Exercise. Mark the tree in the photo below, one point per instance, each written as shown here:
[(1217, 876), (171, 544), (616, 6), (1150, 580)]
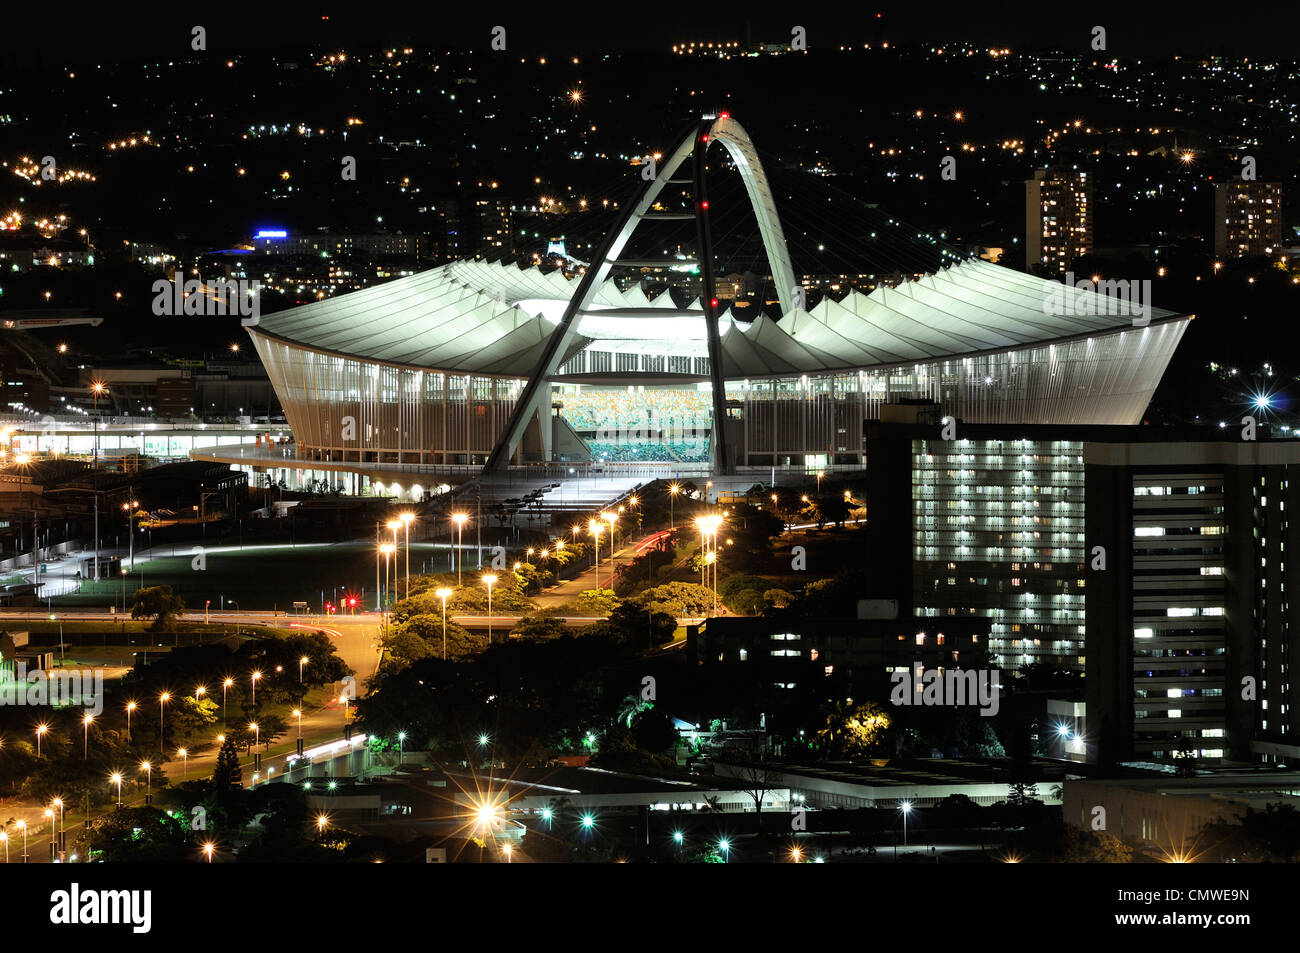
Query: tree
[(1020, 794), (833, 508), (159, 603), (594, 602), (540, 627), (1095, 847), (641, 625), (854, 730), (402, 647), (227, 774), (194, 713), (757, 779), (136, 834), (778, 598), (653, 730), (678, 599)]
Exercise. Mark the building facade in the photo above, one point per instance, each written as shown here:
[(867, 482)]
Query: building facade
[(1058, 219), (1191, 619), (1247, 218)]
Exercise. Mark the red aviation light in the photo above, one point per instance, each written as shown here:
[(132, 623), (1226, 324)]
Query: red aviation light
[(704, 138), (715, 302), (704, 204)]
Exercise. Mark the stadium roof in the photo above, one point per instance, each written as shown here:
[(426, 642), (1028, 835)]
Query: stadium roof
[(490, 318)]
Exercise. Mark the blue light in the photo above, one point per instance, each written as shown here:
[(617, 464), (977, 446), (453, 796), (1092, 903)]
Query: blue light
[(272, 233)]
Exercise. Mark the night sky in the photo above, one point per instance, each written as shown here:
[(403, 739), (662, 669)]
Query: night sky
[(631, 27)]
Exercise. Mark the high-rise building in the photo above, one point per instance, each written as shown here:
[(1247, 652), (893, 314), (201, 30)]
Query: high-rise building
[(1190, 623), (493, 221), (334, 245), (996, 530), (1247, 218), (1153, 560), (1058, 219)]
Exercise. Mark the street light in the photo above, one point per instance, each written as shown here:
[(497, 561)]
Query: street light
[(185, 762), (459, 519), (401, 747), (611, 519), (595, 529), (406, 519), (130, 509), (116, 778), (225, 687), (394, 525), (208, 848), (40, 733), (297, 713), (301, 662), (257, 734), (489, 579), (443, 594), (96, 388), (906, 808), (147, 768), (708, 526), (386, 550), (85, 723), (253, 680), (163, 699)]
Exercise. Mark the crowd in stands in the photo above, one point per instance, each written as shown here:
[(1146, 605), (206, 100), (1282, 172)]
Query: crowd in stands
[(617, 409), (647, 451)]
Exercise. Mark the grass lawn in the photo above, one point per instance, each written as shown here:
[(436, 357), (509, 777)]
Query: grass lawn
[(267, 577)]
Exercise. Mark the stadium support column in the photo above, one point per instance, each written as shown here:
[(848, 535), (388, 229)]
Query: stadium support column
[(722, 462), (561, 339)]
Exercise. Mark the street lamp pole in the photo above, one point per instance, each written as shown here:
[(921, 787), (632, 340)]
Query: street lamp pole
[(490, 578), (406, 519), (443, 594), (459, 519), (162, 725)]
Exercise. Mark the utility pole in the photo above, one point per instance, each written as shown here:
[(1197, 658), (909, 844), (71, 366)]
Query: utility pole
[(96, 537)]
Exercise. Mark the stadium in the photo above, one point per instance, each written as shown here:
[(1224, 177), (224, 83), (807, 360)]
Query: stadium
[(479, 364)]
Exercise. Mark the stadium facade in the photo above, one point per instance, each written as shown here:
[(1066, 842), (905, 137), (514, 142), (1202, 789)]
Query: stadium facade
[(474, 363)]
